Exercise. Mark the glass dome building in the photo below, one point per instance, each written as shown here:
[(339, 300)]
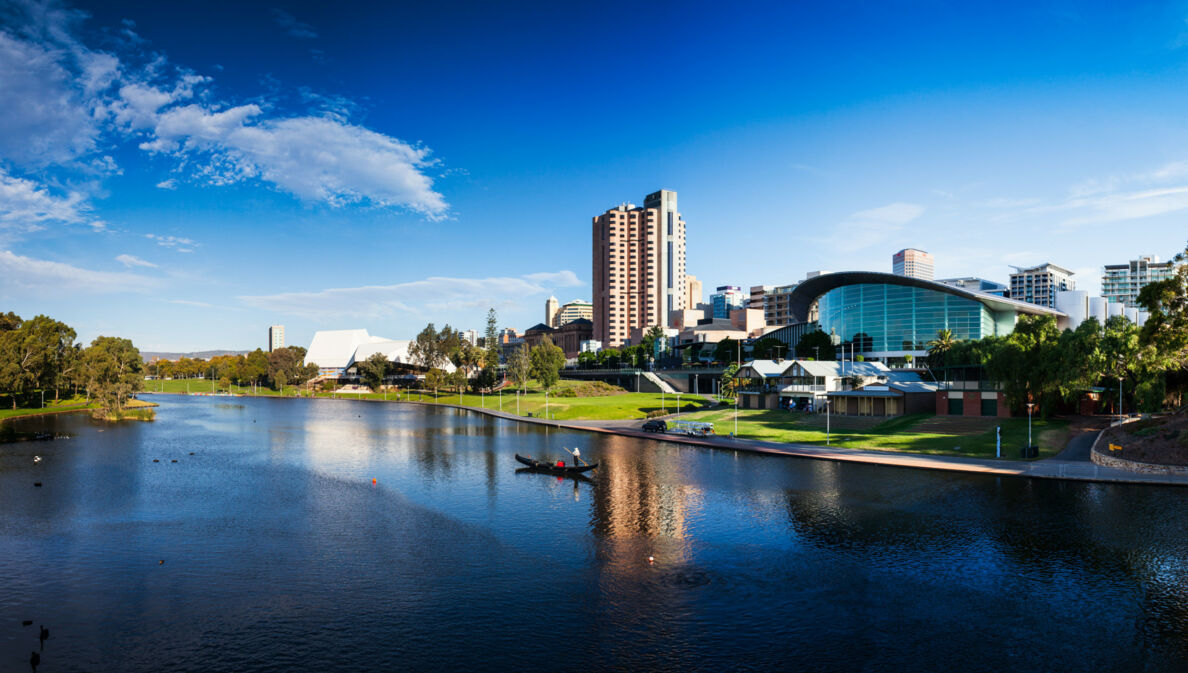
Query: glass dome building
[(884, 315)]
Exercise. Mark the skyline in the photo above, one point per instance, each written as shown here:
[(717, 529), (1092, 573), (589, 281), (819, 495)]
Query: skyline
[(194, 178)]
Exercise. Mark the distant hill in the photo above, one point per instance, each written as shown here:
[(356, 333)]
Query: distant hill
[(149, 356)]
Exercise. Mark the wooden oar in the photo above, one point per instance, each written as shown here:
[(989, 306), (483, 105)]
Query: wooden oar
[(575, 456)]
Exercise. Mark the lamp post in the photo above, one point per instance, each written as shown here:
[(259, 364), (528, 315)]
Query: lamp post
[(517, 403), (678, 406), (827, 420), (1030, 405)]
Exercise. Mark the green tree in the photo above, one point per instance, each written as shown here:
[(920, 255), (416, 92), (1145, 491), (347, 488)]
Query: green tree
[(373, 370), (33, 354), (487, 379), (255, 366), (816, 344), (768, 348), (726, 386), (938, 348), (436, 379), (423, 349), (491, 339), (655, 333), (546, 363), (1027, 363), (519, 367), (728, 350), (114, 372)]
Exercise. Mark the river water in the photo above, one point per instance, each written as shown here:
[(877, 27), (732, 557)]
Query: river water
[(280, 554)]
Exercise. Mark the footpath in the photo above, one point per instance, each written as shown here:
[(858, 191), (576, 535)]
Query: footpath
[(1071, 464)]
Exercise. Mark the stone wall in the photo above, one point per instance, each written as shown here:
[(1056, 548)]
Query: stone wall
[(1104, 459)]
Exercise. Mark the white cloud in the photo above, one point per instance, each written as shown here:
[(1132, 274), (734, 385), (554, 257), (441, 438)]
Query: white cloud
[(28, 206), (318, 159), (564, 278), (175, 242), (186, 302), (893, 214), (292, 26), (169, 184), (65, 105), (1122, 206), (46, 118), (132, 260), (44, 276), (876, 226), (435, 293)]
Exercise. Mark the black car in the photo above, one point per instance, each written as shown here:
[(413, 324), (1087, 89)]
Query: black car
[(655, 426)]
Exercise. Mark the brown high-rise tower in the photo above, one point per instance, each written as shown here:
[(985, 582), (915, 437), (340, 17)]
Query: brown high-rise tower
[(639, 267)]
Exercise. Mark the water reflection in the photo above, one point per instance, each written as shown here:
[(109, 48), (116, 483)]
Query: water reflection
[(275, 522)]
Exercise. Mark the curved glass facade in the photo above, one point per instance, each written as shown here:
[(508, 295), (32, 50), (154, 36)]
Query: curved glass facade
[(897, 318)]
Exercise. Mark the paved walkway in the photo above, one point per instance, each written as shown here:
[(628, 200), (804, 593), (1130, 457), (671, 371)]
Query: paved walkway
[(1071, 464)]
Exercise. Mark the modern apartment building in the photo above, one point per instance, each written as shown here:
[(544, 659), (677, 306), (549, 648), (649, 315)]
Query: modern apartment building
[(727, 298), (276, 337), (575, 310), (1039, 284), (1121, 283), (912, 263), (639, 266)]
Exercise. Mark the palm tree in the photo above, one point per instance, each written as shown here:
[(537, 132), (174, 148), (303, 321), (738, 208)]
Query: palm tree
[(941, 345)]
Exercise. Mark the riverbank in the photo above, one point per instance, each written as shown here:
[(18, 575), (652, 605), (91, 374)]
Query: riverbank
[(1051, 468), (65, 407), (1058, 467)]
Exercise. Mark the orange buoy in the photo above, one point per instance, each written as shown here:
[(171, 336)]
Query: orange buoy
[(373, 481)]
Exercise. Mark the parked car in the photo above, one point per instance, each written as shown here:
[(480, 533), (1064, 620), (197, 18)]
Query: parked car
[(655, 425)]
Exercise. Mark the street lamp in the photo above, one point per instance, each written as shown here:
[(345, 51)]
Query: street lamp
[(678, 406), (1030, 405)]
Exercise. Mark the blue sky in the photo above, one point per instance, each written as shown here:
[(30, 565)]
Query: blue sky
[(186, 174)]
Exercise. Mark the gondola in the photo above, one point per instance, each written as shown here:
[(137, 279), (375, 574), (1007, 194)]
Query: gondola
[(552, 468)]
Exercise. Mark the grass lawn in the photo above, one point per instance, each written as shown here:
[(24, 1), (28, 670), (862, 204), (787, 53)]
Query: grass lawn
[(204, 386), (606, 407), (71, 404), (921, 433)]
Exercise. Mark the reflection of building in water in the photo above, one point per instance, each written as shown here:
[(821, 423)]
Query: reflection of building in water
[(642, 497)]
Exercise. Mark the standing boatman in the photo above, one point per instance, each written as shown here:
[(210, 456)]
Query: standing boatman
[(577, 455)]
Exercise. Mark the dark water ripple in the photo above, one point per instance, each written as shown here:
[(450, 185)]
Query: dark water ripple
[(281, 555)]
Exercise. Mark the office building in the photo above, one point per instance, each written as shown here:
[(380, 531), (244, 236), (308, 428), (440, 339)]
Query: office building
[(1121, 283), (276, 337), (469, 336), (912, 263), (773, 301), (639, 266), (575, 310), (551, 308), (1039, 284), (727, 298), (694, 296)]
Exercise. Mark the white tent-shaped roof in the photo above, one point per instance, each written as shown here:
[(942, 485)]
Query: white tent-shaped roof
[(339, 349)]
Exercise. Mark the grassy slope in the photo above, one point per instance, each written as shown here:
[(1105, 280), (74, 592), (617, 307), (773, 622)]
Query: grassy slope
[(896, 434), (608, 407)]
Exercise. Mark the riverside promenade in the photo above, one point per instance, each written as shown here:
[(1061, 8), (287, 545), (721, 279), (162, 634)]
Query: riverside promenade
[(1071, 464)]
